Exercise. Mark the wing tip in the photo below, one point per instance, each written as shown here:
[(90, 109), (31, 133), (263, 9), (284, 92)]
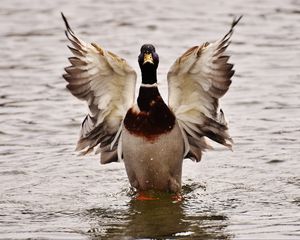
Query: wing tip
[(69, 29), (236, 21)]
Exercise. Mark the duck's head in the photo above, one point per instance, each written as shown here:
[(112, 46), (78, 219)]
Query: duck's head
[(148, 58), (148, 61)]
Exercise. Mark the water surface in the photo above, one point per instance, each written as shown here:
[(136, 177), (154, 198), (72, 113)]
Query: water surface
[(47, 192)]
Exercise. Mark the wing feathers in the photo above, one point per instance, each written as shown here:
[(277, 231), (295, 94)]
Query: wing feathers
[(196, 81), (77, 62), (107, 83), (76, 52)]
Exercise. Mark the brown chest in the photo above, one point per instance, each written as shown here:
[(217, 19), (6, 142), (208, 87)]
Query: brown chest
[(150, 124)]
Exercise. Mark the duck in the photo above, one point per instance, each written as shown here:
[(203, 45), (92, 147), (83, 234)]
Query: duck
[(150, 136)]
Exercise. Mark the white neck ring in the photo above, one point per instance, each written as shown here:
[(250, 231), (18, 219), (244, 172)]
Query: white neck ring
[(149, 85)]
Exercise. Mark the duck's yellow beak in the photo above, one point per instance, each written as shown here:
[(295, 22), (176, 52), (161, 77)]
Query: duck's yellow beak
[(148, 58)]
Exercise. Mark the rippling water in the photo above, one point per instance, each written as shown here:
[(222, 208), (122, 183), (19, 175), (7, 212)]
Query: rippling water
[(47, 192)]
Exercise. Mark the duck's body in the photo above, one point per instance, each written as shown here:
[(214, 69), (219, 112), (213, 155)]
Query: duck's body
[(151, 137), (152, 144)]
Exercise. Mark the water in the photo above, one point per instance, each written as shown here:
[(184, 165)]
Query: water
[(47, 192)]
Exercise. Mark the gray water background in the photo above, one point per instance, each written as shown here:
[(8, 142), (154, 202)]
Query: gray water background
[(47, 192)]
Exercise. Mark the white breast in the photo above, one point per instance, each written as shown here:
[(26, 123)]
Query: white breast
[(154, 164)]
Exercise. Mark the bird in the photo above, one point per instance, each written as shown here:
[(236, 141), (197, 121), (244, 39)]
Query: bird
[(150, 136)]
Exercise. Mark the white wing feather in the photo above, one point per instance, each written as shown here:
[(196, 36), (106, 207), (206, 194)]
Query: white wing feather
[(196, 81), (107, 83)]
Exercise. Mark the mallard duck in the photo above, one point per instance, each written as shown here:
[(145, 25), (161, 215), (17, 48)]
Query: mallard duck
[(150, 136)]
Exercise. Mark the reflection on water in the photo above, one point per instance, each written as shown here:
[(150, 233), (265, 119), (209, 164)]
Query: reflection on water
[(155, 219)]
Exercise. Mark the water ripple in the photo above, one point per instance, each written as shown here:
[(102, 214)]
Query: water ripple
[(48, 192)]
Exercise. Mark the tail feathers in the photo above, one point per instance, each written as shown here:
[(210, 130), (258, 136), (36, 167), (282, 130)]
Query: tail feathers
[(196, 148), (108, 155)]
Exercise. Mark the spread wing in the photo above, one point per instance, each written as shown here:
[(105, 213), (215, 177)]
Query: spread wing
[(196, 81), (107, 83)]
